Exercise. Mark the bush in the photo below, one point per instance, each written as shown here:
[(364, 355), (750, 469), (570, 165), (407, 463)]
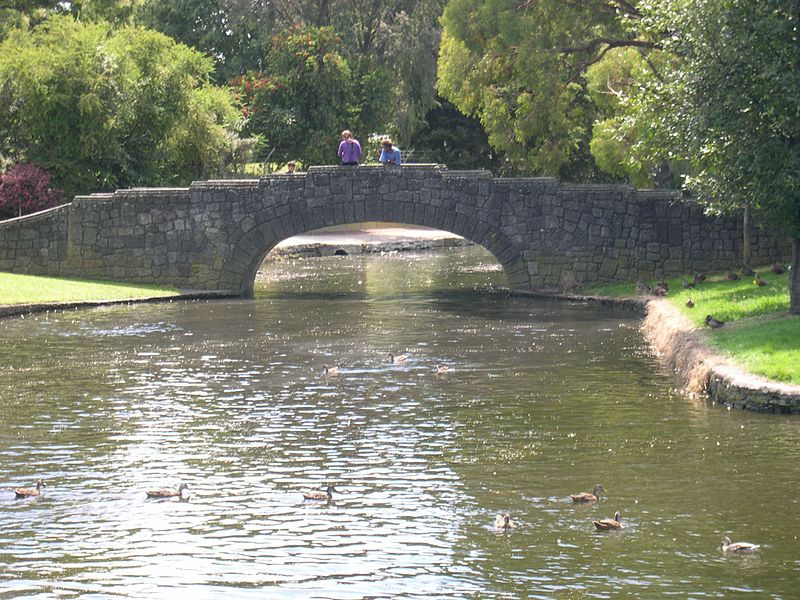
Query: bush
[(26, 189)]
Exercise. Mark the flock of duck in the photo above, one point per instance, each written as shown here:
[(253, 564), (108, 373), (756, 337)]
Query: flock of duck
[(504, 523), (662, 288), (163, 493)]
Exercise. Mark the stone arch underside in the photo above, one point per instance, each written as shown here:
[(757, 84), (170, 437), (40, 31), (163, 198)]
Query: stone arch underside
[(256, 244)]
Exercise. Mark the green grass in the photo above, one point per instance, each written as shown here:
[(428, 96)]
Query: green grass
[(766, 346), (759, 334), (32, 289)]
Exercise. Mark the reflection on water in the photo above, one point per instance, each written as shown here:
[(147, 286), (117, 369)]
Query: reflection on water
[(541, 399)]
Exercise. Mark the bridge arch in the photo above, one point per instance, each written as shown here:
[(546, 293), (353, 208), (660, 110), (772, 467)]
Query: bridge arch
[(469, 227), (214, 234)]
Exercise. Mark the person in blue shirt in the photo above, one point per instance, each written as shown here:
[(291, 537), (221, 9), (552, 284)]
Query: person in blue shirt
[(390, 155)]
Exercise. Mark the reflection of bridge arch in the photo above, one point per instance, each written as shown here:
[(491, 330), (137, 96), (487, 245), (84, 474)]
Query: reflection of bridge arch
[(214, 234)]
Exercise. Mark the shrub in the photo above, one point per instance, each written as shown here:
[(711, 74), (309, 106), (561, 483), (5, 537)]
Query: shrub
[(26, 189)]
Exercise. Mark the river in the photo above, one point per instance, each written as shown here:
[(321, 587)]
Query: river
[(541, 399)]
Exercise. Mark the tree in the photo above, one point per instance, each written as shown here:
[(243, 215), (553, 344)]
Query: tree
[(306, 99), (236, 39), (730, 107), (455, 140), (102, 109), (26, 189), (520, 68)]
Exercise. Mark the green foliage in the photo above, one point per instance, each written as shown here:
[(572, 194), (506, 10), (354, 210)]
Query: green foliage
[(102, 109), (300, 109), (730, 106), (236, 39), (455, 140), (520, 68), (616, 133)]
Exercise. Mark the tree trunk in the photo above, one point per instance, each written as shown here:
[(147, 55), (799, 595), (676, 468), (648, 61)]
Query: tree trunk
[(794, 279), (747, 244)]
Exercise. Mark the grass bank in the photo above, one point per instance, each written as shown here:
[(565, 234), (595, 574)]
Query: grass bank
[(32, 289), (759, 335)]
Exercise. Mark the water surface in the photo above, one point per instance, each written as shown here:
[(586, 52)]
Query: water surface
[(541, 399)]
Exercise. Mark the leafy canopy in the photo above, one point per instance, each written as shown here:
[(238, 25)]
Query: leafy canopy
[(103, 108), (731, 104), (300, 107), (520, 67)]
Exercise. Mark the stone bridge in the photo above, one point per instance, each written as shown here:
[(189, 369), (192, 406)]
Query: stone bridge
[(214, 234)]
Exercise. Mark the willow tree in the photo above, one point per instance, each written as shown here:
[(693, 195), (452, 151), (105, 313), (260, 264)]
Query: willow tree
[(103, 108)]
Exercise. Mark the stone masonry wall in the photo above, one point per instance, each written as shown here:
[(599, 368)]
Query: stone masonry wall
[(213, 235)]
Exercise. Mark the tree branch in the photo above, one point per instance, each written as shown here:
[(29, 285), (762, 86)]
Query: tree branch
[(610, 44)]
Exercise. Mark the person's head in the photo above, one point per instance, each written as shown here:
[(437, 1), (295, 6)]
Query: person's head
[(290, 166), (387, 144), (346, 135)]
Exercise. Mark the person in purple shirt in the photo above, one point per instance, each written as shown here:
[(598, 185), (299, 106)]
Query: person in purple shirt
[(390, 155), (349, 149)]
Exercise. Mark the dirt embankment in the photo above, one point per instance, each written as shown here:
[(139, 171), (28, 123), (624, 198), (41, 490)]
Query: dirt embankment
[(702, 371)]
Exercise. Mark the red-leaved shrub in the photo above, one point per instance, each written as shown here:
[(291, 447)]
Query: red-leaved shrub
[(25, 189)]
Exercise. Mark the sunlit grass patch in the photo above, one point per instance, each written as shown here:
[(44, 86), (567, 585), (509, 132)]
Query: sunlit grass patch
[(726, 300), (732, 300), (759, 334), (31, 289), (764, 346)]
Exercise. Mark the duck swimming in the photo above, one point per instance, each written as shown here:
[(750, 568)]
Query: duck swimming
[(327, 495), (30, 492), (608, 524), (592, 496), (442, 369), (167, 492), (738, 547), (330, 370), (503, 521), (398, 359)]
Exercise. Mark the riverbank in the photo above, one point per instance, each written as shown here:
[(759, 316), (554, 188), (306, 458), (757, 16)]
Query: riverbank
[(702, 370)]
